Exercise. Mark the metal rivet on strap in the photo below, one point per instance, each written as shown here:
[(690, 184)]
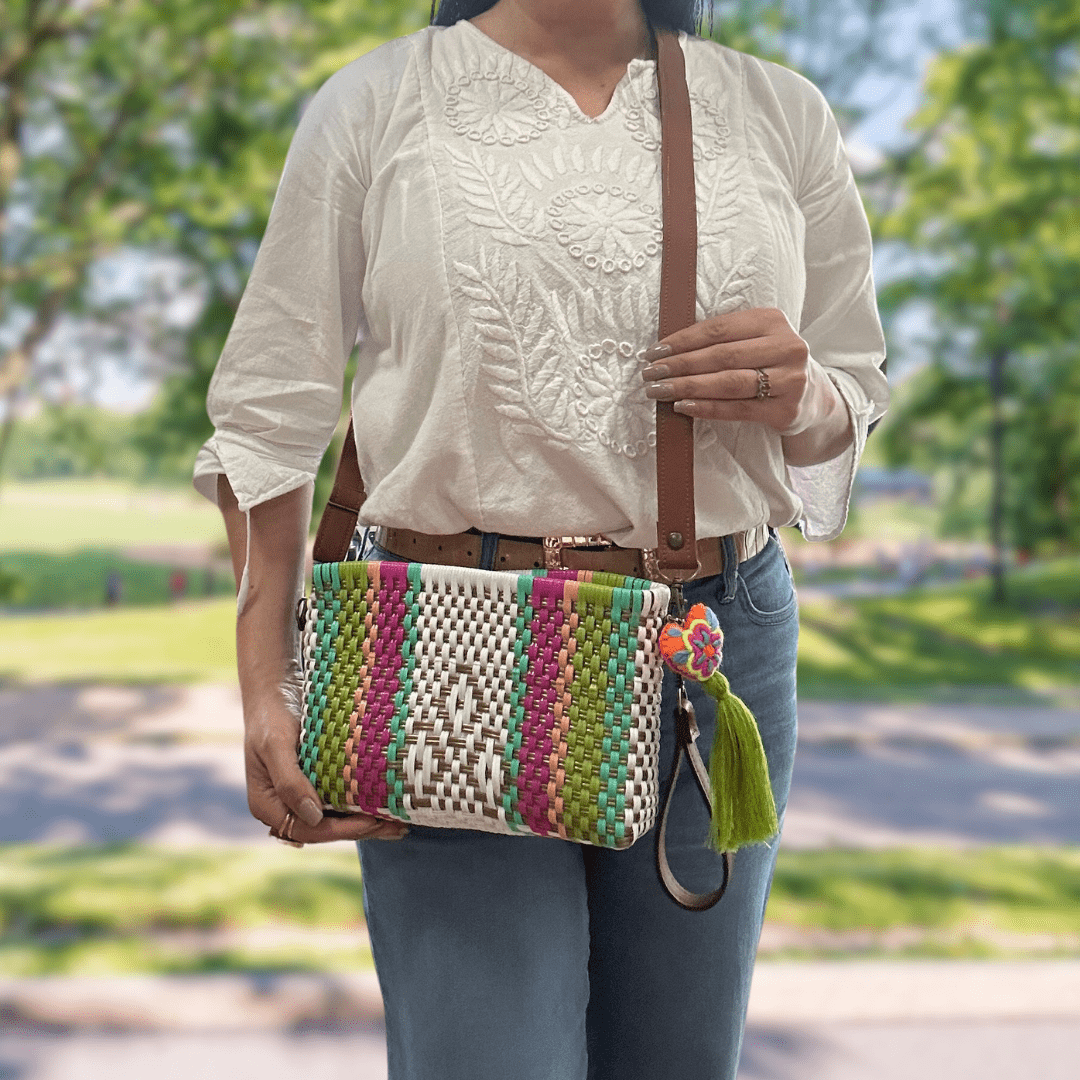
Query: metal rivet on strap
[(675, 540)]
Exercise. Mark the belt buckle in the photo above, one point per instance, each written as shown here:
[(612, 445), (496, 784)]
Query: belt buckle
[(553, 548)]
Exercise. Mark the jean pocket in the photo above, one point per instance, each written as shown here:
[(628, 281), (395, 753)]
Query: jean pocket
[(764, 587)]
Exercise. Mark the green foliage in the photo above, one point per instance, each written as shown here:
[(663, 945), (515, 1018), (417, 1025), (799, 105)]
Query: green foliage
[(156, 126), (989, 200), (74, 440)]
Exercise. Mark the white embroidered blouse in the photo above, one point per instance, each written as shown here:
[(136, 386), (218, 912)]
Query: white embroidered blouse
[(497, 252)]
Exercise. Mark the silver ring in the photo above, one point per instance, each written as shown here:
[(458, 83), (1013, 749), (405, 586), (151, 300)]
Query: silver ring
[(764, 387)]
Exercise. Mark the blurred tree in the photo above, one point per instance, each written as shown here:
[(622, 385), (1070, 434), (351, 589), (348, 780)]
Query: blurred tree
[(988, 202), (151, 126)]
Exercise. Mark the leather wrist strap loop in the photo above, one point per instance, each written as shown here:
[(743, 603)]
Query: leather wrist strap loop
[(686, 733)]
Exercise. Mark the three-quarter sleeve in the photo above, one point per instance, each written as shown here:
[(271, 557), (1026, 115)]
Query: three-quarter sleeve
[(275, 396), (839, 320)]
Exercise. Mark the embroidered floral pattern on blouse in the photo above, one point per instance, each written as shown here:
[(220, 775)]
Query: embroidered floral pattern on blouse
[(610, 400), (711, 129), (562, 361), (606, 226), (526, 337), (643, 122), (492, 107)]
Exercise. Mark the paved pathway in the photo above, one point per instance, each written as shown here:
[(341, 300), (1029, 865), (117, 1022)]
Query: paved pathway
[(808, 1021), (929, 1051), (94, 764)]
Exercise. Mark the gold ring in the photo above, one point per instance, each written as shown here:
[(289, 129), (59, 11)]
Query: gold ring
[(284, 831), (764, 388)]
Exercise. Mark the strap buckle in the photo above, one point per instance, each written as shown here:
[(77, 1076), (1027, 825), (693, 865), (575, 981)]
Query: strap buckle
[(669, 577), (553, 548)]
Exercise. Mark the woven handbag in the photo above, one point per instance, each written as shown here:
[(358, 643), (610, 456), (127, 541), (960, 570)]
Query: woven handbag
[(529, 702)]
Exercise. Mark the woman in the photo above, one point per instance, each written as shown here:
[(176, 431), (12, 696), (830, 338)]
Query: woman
[(480, 201)]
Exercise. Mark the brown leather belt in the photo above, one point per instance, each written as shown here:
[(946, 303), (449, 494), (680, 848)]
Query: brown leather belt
[(568, 552)]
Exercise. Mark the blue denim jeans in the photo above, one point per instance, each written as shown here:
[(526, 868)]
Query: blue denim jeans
[(538, 959)]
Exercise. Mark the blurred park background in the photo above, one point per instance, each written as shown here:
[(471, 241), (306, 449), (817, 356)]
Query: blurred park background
[(936, 811)]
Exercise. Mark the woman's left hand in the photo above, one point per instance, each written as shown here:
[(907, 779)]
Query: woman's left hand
[(745, 365)]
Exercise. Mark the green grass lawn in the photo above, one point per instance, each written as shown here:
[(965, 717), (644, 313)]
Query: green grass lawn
[(131, 908), (63, 515), (189, 641), (984, 902), (948, 642)]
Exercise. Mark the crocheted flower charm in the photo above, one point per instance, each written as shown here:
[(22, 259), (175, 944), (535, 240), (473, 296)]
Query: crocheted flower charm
[(695, 647)]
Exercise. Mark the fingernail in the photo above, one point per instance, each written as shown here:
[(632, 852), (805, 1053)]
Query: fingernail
[(656, 352), (398, 835), (309, 812), (656, 371), (687, 407), (660, 392)]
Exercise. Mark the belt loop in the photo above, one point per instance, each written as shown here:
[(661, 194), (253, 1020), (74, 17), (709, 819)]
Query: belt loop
[(489, 543), (731, 568)]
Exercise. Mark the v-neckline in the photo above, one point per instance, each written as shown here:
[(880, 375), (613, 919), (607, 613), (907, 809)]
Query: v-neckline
[(633, 68)]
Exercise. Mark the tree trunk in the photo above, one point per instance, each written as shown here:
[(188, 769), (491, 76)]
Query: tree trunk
[(998, 359), (7, 428)]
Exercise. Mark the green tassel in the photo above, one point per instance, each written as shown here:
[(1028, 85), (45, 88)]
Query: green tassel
[(744, 811)]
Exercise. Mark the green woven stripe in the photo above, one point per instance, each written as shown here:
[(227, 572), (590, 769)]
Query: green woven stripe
[(326, 629), (587, 714), (576, 821), (341, 693), (611, 803), (395, 750), (518, 688)]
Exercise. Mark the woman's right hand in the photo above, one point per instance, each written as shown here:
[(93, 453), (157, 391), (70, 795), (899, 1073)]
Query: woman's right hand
[(276, 784), (273, 549)]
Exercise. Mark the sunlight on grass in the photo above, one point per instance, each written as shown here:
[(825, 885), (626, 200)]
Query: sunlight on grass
[(124, 908), (185, 642), (946, 640), (989, 902), (133, 908), (61, 515)]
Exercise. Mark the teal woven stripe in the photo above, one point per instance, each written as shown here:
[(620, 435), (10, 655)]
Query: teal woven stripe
[(611, 798), (327, 628), (395, 749), (623, 690), (523, 625)]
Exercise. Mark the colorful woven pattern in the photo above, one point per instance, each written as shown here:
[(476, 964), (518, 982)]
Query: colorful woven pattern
[(516, 703)]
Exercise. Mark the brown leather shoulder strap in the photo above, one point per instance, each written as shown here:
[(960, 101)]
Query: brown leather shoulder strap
[(338, 521), (676, 536)]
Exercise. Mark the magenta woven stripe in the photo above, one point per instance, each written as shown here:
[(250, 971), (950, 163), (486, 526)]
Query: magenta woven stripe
[(373, 736), (541, 681)]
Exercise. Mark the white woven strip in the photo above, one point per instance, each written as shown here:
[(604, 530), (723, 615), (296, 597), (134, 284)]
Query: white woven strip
[(458, 724)]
